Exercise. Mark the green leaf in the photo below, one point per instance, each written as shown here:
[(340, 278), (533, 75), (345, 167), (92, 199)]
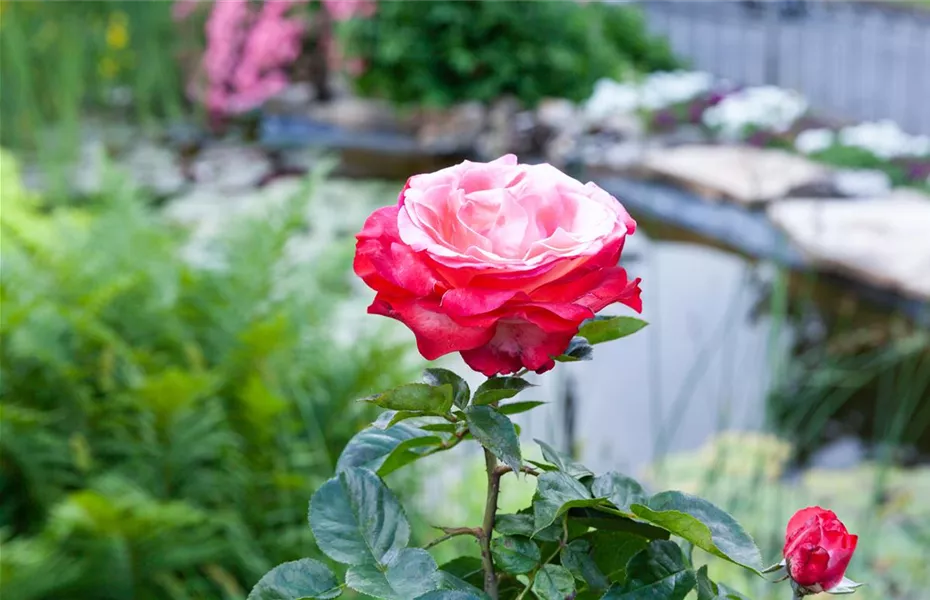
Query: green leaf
[(702, 524), (687, 548), (608, 519), (448, 581), (416, 396), (612, 550), (553, 582), (304, 578), (515, 553), (357, 520), (515, 408), (605, 329), (407, 452), (496, 389), (556, 493), (542, 466), (656, 573), (709, 590), (521, 524), (403, 415), (369, 580), (622, 491), (563, 462), (440, 427), (576, 557), (496, 433), (410, 574), (728, 593), (449, 595), (578, 349), (386, 450), (464, 567), (706, 589), (460, 391)]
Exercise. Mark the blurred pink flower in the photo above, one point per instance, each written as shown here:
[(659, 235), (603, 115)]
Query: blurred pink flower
[(246, 53), (250, 44), (273, 42)]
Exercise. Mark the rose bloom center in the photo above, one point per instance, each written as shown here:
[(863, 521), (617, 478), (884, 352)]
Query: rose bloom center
[(514, 223)]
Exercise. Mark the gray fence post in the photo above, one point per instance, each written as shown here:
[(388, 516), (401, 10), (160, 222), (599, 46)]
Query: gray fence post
[(772, 51)]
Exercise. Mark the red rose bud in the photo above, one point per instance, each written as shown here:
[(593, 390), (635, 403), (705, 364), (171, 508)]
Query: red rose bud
[(498, 261), (818, 549)]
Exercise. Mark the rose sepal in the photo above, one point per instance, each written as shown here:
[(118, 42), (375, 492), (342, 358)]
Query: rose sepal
[(779, 571), (845, 586)]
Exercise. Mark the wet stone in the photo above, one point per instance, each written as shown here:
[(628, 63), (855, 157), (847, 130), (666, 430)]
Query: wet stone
[(882, 241), (740, 174)]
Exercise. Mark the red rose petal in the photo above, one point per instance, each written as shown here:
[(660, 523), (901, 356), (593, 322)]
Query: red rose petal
[(467, 302), (804, 515), (436, 333), (808, 564), (839, 560), (517, 345)]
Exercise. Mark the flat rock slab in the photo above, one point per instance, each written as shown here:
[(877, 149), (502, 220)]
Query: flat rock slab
[(742, 174), (747, 231), (884, 241)]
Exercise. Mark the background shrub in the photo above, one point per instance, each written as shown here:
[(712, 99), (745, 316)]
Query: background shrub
[(440, 53)]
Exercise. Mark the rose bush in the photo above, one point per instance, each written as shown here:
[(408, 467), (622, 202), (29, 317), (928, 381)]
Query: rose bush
[(818, 549), (499, 261), (508, 264)]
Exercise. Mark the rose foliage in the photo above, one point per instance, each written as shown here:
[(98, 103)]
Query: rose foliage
[(507, 265)]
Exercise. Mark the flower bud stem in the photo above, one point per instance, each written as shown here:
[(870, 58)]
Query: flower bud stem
[(490, 512)]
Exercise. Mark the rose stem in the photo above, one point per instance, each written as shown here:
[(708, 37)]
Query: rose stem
[(490, 511)]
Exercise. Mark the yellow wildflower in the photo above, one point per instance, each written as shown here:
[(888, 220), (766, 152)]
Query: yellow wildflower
[(117, 34)]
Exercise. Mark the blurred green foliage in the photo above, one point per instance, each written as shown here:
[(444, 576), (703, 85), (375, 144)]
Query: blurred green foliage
[(440, 53), (163, 424), (872, 383), (59, 59)]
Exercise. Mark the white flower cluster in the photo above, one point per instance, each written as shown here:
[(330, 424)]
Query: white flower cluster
[(811, 141), (656, 91), (884, 139), (610, 98), (664, 89), (766, 107)]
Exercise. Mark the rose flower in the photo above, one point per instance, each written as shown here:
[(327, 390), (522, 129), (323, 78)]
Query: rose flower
[(499, 261), (818, 549)]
